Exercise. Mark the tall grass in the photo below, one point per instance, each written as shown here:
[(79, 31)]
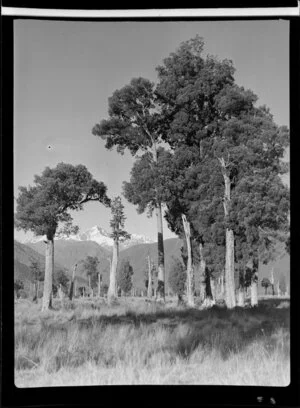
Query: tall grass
[(137, 343)]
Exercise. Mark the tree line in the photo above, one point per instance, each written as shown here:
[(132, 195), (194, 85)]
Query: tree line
[(207, 158)]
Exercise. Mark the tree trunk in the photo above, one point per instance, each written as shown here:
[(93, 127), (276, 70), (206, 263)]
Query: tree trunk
[(113, 272), (35, 296), (161, 255), (229, 258), (202, 270), (71, 293), (241, 297), (149, 291), (222, 285), (212, 288), (49, 268), (254, 284), (60, 294), (272, 281), (99, 284), (189, 272)]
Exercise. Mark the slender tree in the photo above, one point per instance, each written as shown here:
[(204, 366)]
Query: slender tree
[(71, 292), (46, 205), (135, 124), (118, 234), (265, 283)]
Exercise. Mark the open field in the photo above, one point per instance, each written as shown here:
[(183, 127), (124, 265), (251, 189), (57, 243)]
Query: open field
[(134, 342)]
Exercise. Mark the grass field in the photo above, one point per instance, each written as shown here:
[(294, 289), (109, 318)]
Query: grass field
[(134, 342)]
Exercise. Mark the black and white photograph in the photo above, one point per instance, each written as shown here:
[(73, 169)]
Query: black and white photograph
[(151, 203)]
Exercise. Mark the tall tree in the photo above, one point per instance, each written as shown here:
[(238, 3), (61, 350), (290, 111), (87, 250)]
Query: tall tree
[(45, 206), (135, 124), (118, 234)]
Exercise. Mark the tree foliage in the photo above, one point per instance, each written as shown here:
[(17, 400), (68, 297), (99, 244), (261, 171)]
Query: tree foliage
[(125, 276), (133, 122), (90, 265), (117, 222), (43, 207), (177, 277), (61, 278)]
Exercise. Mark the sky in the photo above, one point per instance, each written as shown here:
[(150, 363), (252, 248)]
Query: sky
[(65, 71)]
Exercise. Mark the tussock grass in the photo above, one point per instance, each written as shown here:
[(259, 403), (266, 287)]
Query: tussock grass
[(147, 343)]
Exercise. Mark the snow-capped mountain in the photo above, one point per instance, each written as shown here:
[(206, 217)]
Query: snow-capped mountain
[(99, 235)]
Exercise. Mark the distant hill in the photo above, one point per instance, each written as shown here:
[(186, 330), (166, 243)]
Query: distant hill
[(23, 256), (69, 252), (137, 256)]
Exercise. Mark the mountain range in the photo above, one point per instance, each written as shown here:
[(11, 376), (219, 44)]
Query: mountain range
[(98, 235), (69, 251)]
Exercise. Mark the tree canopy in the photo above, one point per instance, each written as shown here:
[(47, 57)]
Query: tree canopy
[(43, 207)]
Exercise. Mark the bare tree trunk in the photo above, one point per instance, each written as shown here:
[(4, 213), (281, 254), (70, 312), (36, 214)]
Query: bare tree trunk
[(49, 268), (149, 291), (212, 287), (71, 293), (99, 284), (241, 297), (189, 272), (35, 295), (254, 284), (222, 284), (202, 274), (229, 258), (113, 272), (278, 289), (161, 254), (272, 281)]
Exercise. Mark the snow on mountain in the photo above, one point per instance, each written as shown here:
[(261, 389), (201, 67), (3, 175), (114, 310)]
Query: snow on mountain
[(99, 235)]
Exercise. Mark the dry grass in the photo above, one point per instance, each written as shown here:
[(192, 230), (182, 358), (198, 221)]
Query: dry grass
[(138, 343)]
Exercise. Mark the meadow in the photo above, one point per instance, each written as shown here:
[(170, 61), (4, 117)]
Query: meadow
[(85, 342)]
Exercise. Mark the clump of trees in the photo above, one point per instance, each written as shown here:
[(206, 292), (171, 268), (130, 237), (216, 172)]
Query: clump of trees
[(125, 275), (217, 173), (90, 265)]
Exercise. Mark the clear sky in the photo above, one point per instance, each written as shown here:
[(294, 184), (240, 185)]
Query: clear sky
[(64, 72)]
